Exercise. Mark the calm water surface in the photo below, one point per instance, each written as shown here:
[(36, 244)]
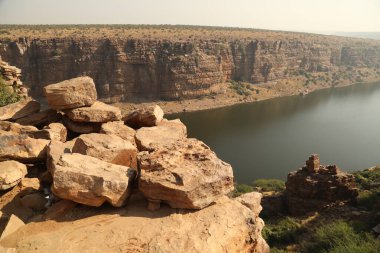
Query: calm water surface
[(268, 139)]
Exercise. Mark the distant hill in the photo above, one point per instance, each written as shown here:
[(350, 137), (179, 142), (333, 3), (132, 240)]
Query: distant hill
[(365, 35)]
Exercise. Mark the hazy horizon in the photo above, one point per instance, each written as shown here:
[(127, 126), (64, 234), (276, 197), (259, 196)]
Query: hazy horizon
[(288, 15)]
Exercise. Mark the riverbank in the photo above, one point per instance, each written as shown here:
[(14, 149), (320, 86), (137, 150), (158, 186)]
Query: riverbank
[(232, 93)]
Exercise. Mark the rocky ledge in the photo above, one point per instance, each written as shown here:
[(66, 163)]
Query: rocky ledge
[(106, 174)]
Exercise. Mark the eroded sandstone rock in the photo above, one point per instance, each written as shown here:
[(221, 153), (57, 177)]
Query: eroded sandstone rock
[(314, 187), (15, 128), (186, 174), (22, 148), (90, 181), (164, 134), (251, 200), (81, 127), (145, 117), (54, 151), (120, 129), (69, 94), (108, 148), (13, 225), (11, 173), (40, 119), (19, 109), (97, 112), (54, 131)]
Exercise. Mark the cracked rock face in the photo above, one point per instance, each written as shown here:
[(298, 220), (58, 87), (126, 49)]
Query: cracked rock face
[(186, 175), (90, 181)]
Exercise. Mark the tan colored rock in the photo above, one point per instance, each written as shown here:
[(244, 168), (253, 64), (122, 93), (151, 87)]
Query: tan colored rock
[(59, 209), (90, 181), (118, 128), (35, 201), (81, 127), (54, 151), (145, 117), (54, 131), (15, 128), (19, 109), (30, 183), (185, 175), (227, 226), (13, 225), (108, 148), (11, 173), (164, 134), (97, 112), (252, 200), (7, 250), (40, 119), (69, 94), (22, 148)]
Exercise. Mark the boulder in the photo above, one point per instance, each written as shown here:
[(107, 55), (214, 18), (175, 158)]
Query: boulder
[(97, 112), (54, 131), (144, 117), (314, 187), (35, 201), (251, 200), (40, 119), (11, 173), (118, 128), (15, 128), (226, 226), (186, 175), (90, 181), (54, 151), (81, 127), (13, 225), (108, 148), (22, 148), (19, 109), (69, 94), (164, 134)]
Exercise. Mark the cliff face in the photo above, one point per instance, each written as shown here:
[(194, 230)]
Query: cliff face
[(126, 69)]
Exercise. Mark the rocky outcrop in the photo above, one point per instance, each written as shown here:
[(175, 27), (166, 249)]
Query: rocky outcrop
[(133, 68), (144, 117), (314, 187), (164, 134), (108, 148), (73, 93), (11, 173), (186, 174), (19, 109), (103, 181)]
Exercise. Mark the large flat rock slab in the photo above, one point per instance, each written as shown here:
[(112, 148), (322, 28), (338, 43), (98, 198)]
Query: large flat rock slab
[(22, 148), (108, 148), (73, 93), (19, 109), (97, 112), (185, 175), (227, 226), (90, 181)]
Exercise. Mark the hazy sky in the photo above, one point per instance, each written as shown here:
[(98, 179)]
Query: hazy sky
[(298, 15)]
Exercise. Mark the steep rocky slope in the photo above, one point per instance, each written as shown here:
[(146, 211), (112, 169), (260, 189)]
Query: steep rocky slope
[(175, 62)]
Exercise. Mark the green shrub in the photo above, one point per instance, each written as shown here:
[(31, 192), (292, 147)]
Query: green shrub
[(241, 189), (269, 184), (340, 237), (368, 199), (282, 232), (7, 96), (368, 177)]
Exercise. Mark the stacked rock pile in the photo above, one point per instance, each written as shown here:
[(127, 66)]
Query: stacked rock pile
[(12, 78)]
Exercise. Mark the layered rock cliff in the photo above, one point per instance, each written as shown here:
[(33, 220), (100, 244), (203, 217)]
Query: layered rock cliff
[(129, 67)]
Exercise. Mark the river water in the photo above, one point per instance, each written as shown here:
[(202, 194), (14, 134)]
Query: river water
[(268, 139)]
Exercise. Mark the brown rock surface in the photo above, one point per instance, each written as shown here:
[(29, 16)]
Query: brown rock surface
[(73, 93), (19, 109), (40, 119), (164, 134), (144, 117), (90, 181), (54, 131), (186, 174), (22, 148), (227, 226), (54, 151), (15, 128), (108, 148), (11, 173), (120, 129), (314, 187), (35, 201), (81, 127), (251, 200), (13, 225), (97, 112)]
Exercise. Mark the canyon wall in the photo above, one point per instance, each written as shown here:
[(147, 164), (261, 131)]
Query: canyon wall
[(129, 69)]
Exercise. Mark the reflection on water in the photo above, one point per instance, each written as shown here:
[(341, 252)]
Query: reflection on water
[(268, 139)]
